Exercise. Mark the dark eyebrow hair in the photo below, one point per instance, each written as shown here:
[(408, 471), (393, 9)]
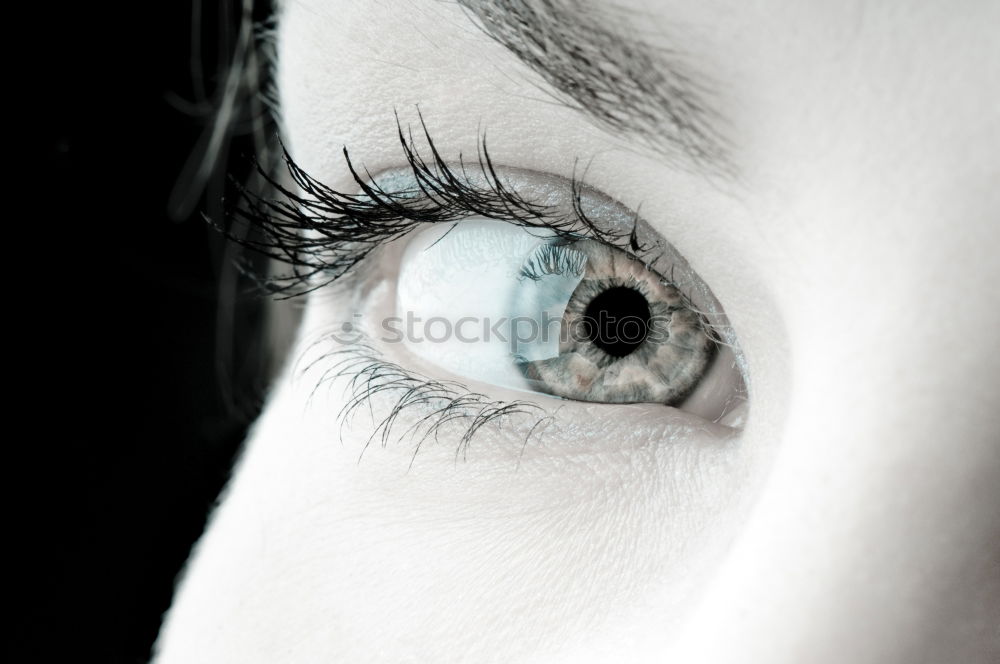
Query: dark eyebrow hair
[(597, 68)]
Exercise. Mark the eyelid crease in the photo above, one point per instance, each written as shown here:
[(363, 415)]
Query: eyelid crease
[(320, 234)]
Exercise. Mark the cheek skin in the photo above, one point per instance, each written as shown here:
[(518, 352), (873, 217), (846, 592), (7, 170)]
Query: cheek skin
[(343, 559), (877, 536)]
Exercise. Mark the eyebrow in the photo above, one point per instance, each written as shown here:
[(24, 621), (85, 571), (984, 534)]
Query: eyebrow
[(597, 68)]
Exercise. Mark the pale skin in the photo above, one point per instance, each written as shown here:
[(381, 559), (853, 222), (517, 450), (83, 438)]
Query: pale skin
[(855, 518)]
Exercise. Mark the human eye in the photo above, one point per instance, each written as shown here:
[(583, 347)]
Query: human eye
[(502, 293), (567, 315)]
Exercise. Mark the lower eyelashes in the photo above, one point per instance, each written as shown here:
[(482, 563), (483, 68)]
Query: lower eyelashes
[(406, 406), (406, 410), (369, 374)]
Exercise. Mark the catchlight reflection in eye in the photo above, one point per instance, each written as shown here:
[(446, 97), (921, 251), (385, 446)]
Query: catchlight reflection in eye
[(570, 317)]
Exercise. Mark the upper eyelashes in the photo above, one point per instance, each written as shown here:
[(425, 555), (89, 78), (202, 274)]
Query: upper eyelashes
[(321, 234), (551, 259)]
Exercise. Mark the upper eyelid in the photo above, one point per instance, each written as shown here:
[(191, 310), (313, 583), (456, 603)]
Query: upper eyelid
[(321, 234)]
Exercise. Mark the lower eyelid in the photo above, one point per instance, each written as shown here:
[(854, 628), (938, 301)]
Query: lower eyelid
[(364, 385)]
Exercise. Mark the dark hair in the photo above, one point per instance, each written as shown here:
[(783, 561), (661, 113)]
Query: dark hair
[(238, 147)]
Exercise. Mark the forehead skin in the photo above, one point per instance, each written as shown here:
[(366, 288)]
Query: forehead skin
[(854, 250)]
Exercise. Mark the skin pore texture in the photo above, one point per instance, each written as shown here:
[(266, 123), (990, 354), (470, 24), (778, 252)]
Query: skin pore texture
[(851, 240)]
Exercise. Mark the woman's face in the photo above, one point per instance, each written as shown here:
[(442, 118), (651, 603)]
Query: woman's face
[(828, 170)]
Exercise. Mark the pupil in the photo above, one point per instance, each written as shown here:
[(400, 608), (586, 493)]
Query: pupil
[(618, 320)]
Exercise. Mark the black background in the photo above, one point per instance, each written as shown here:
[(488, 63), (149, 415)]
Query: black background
[(130, 417)]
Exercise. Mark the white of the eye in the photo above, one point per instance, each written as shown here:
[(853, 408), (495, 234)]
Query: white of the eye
[(464, 306)]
